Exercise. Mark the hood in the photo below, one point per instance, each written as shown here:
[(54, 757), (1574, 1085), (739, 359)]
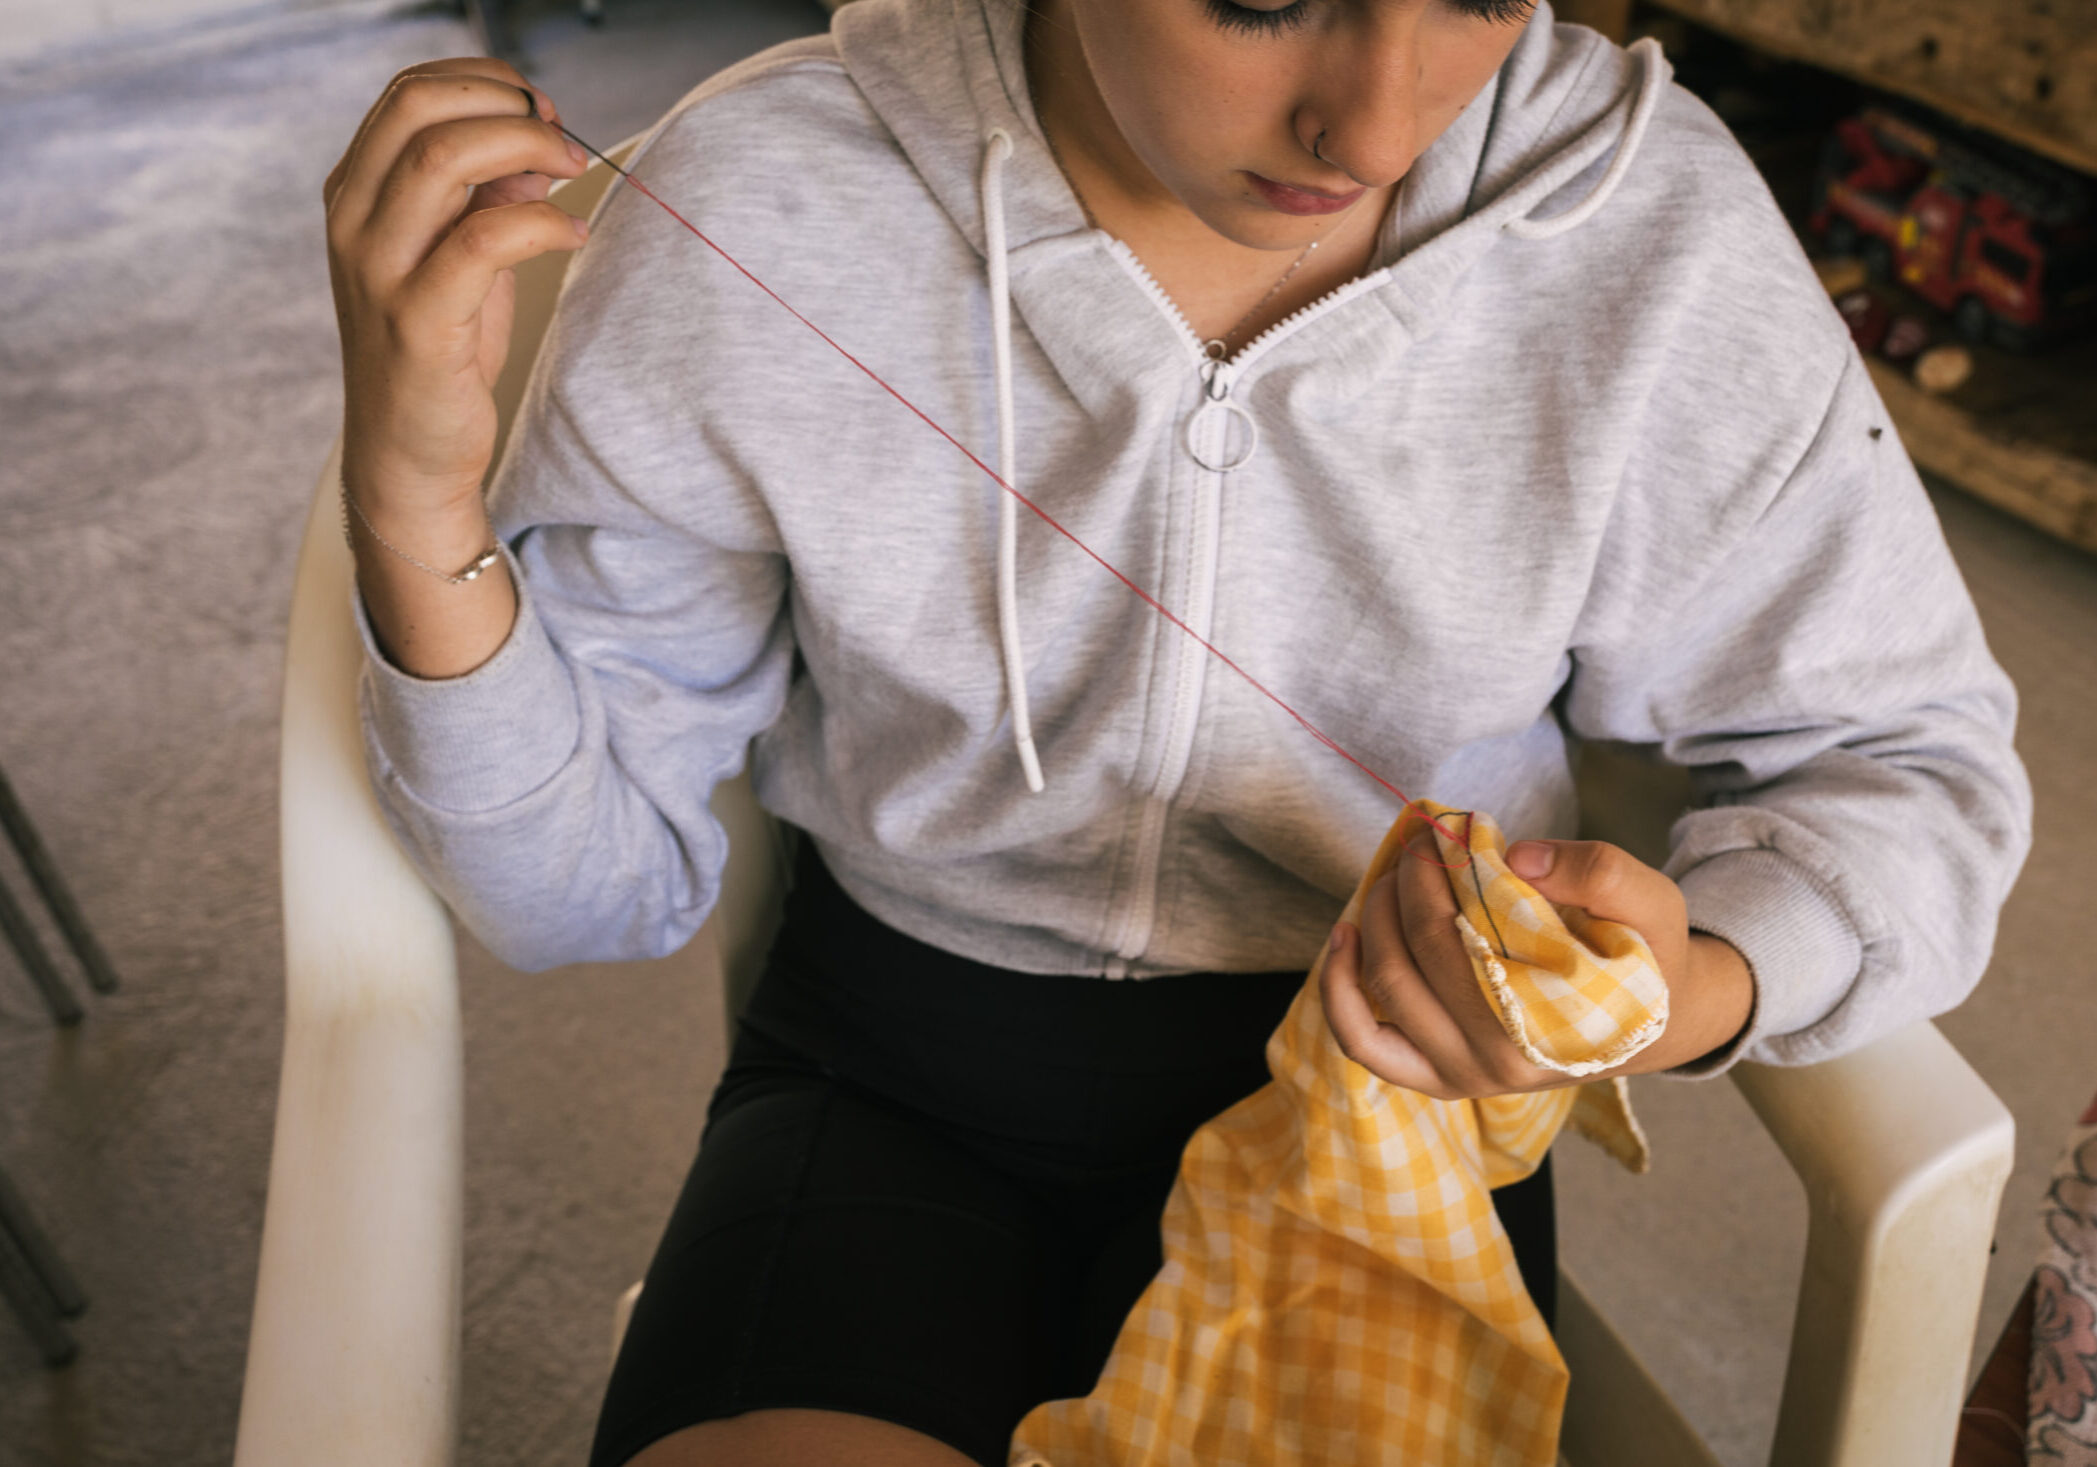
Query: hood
[(943, 75), (1537, 153)]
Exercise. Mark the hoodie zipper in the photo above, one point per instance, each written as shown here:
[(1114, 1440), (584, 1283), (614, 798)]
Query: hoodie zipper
[(1138, 916), (1331, 300), (1259, 344), (1131, 926)]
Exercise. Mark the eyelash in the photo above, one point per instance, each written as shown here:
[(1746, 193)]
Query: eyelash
[(1289, 17), (1260, 22), (1499, 12)]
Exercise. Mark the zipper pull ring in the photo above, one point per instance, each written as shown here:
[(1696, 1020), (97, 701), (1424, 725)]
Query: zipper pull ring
[(1216, 379)]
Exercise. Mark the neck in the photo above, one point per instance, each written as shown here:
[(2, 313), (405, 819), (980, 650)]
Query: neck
[(1215, 280), (1104, 171)]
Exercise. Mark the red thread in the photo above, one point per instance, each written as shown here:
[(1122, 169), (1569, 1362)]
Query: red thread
[(1046, 518)]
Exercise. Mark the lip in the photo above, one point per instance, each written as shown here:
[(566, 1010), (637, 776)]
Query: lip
[(1294, 199)]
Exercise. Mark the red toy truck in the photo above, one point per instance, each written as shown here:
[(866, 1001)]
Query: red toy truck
[(2008, 247)]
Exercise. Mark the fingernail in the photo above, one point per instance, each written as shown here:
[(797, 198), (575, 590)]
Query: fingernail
[(1531, 858), (582, 227), (575, 151), (547, 111), (1339, 938)]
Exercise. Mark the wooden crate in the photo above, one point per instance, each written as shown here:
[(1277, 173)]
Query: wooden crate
[(2022, 435), (2023, 69)]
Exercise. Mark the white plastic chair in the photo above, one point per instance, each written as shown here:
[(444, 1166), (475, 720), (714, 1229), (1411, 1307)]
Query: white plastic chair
[(353, 1357)]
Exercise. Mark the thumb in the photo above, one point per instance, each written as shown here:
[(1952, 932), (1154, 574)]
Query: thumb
[(1533, 860), (1605, 879)]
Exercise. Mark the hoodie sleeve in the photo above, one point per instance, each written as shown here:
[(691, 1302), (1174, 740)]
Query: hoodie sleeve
[(557, 796), (558, 804), (1859, 813)]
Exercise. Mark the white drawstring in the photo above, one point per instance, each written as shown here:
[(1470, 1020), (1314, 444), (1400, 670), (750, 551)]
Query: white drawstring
[(998, 147), (1652, 84)]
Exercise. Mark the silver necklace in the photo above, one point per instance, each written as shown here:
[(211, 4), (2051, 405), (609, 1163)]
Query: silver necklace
[(1219, 348)]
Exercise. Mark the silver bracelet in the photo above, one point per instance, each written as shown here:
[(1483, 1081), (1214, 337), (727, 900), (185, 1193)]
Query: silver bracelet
[(480, 563)]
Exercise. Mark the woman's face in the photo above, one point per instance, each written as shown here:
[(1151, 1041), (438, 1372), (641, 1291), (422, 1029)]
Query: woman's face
[(1220, 104)]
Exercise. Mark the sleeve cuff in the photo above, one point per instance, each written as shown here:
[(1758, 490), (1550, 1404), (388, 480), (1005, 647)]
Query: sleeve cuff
[(486, 738), (1799, 945)]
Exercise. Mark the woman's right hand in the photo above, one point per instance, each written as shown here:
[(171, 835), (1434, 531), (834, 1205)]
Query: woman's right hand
[(441, 192)]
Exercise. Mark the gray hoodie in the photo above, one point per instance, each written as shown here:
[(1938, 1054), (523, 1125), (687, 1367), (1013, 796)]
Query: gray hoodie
[(1587, 455)]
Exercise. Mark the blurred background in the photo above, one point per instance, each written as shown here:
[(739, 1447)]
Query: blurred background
[(168, 390)]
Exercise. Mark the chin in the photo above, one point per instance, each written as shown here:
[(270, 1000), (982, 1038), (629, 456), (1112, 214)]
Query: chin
[(1245, 219)]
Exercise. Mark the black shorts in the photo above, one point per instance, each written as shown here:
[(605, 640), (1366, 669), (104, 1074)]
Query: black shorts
[(929, 1190)]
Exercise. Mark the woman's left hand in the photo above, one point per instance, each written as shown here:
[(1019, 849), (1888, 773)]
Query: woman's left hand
[(1404, 1002)]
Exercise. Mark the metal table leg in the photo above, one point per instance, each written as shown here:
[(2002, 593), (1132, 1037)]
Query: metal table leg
[(35, 1281), (43, 871), (14, 925)]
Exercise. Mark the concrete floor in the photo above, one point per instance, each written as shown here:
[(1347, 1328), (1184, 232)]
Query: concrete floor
[(167, 390)]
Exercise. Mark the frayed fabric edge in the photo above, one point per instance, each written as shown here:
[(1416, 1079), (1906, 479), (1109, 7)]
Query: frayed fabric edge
[(1513, 1020)]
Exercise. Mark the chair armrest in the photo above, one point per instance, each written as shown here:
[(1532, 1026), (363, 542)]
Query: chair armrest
[(1903, 1151), (353, 1353)]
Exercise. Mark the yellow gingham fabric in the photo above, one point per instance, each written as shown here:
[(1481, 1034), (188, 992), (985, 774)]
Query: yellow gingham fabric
[(1337, 1289)]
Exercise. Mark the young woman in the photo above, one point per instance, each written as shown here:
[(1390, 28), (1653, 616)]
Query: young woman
[(1449, 369)]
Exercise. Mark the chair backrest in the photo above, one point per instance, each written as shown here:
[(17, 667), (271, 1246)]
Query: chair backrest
[(539, 287)]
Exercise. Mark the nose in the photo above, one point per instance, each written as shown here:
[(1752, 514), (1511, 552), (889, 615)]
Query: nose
[(1362, 116)]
